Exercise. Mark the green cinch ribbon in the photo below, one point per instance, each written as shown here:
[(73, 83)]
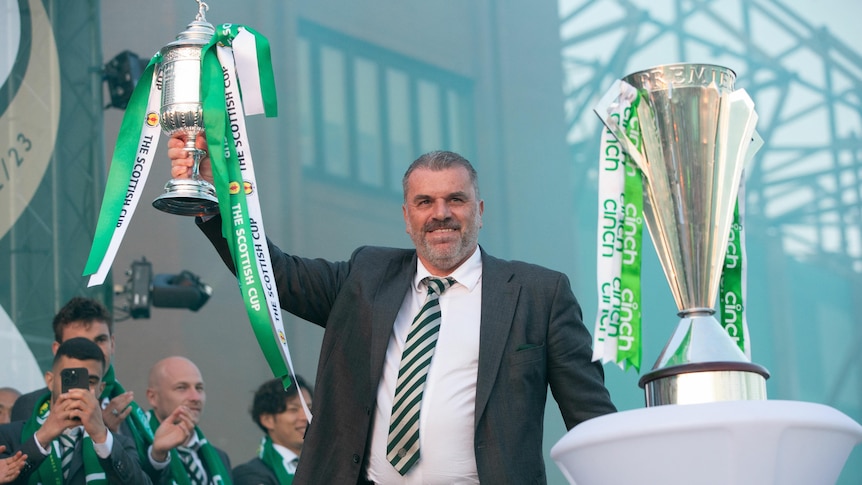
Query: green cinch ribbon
[(730, 289), (617, 336), (629, 342), (233, 205)]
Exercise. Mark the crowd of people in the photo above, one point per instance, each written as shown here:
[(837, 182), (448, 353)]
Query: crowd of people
[(435, 366), (78, 428)]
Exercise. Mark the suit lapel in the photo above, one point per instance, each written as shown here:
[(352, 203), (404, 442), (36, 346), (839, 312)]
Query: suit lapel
[(387, 301), (77, 458), (499, 299)]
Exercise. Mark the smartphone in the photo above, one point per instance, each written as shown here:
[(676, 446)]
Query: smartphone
[(74, 378)]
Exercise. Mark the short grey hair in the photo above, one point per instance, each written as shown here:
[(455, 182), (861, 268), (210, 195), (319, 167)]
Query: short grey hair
[(441, 160)]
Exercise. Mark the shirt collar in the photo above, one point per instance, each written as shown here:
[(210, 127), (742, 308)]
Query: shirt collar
[(194, 442), (285, 453), (467, 274)]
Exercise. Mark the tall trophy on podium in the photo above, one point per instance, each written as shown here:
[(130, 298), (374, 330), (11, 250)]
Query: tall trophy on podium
[(707, 419), (696, 133), (182, 112)]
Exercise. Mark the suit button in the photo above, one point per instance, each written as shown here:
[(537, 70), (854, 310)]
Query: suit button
[(355, 458), (368, 410)]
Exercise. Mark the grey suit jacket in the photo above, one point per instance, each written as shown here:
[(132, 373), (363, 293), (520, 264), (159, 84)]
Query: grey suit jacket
[(531, 337), (254, 472), (121, 466)]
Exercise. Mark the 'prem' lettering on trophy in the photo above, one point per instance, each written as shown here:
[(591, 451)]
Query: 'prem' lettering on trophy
[(687, 75)]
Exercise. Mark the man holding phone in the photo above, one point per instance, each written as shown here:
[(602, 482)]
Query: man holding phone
[(89, 318), (65, 440)]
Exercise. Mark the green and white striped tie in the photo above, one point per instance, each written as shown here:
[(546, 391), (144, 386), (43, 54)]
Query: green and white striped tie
[(402, 449), (68, 439), (197, 475)]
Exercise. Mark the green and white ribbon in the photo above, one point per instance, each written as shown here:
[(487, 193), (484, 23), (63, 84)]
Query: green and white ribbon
[(732, 287), (235, 181), (731, 293), (131, 162), (617, 335)]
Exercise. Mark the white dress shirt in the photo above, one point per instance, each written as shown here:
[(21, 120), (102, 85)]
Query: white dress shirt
[(447, 415), (103, 450), (289, 459)]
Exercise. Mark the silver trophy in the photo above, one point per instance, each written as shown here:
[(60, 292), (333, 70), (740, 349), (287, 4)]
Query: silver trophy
[(696, 134), (182, 112)]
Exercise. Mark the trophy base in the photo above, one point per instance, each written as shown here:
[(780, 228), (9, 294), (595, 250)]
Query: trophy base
[(704, 382), (737, 442), (188, 197)]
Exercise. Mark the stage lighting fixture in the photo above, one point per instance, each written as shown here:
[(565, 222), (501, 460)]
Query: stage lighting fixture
[(122, 74), (144, 290)]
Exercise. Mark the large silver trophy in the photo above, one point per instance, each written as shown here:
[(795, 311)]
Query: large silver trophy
[(696, 133), (181, 112), (707, 419)]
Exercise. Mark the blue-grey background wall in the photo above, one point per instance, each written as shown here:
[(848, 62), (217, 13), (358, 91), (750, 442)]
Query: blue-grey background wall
[(365, 87)]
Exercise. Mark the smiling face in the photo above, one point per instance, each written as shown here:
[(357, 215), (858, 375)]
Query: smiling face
[(443, 217), (176, 381), (287, 428)]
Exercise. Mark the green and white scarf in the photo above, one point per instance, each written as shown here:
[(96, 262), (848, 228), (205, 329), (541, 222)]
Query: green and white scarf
[(273, 459), (139, 424), (50, 472), (215, 468)]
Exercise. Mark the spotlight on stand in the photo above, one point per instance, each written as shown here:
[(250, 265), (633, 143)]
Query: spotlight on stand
[(144, 290), (122, 74)]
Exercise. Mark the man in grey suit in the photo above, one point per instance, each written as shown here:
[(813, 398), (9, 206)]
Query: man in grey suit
[(65, 440), (507, 331)]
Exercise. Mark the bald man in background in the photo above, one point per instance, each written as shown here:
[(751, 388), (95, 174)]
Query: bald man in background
[(177, 397)]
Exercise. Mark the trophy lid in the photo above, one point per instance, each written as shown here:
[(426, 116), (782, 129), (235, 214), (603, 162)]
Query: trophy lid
[(198, 32)]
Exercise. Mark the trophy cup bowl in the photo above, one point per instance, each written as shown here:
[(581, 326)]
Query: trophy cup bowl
[(182, 113), (696, 132)]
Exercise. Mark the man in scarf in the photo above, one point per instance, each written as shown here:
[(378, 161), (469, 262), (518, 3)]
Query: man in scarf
[(279, 413), (179, 451), (88, 318), (65, 441)]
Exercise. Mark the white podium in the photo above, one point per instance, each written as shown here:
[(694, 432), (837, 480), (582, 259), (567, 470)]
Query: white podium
[(757, 442)]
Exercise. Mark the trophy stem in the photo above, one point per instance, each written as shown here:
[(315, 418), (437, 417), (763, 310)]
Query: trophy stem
[(701, 364), (193, 196), (696, 312), (197, 156)]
